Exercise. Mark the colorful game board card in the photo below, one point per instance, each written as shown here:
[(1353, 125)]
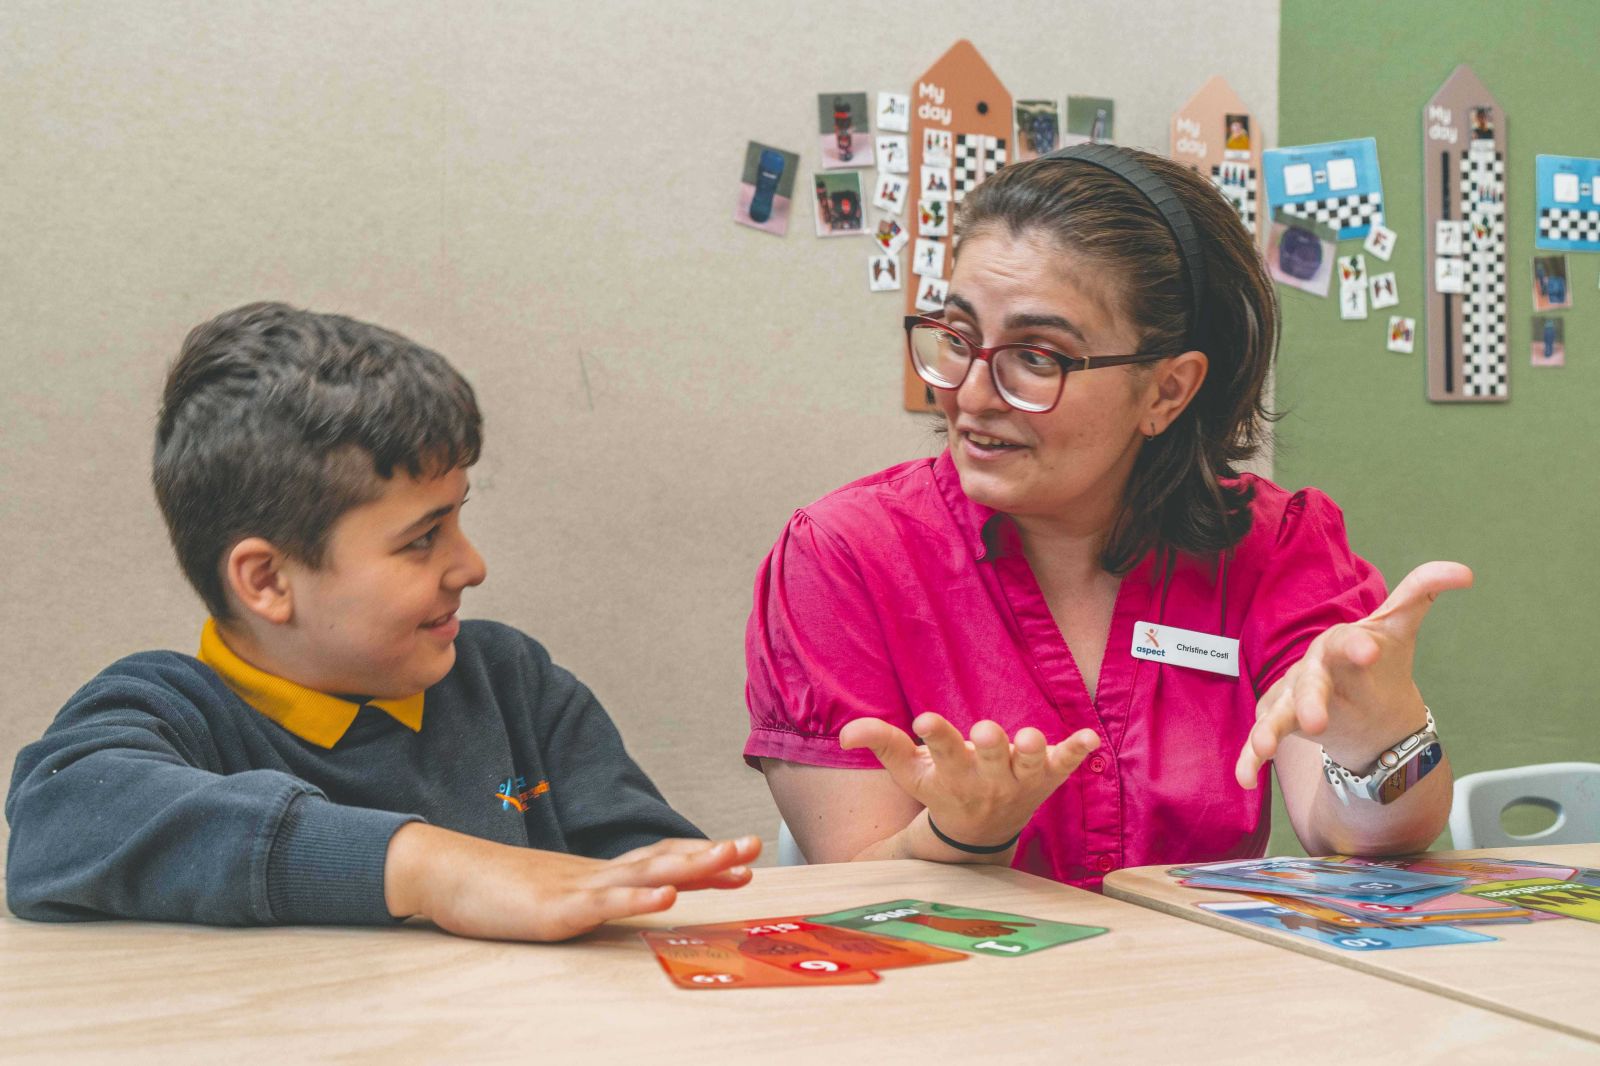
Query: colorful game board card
[(1336, 183), (692, 962), (1318, 875), (1398, 899), (1568, 203), (799, 944), (1572, 899), (978, 931), (1366, 938), (1316, 909), (1476, 870)]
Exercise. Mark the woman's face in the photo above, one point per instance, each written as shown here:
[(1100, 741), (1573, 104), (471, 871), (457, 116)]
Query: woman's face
[(1076, 458)]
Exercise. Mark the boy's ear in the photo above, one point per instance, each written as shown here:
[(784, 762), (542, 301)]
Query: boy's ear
[(254, 573)]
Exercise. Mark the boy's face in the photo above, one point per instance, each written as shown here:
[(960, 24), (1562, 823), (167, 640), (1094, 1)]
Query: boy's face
[(378, 618)]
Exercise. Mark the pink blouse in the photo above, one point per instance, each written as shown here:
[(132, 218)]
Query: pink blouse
[(896, 595)]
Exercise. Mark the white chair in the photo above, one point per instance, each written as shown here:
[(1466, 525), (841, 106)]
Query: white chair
[(1569, 790), (789, 853)]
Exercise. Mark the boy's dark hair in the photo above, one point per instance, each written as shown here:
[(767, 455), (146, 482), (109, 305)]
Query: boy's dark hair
[(275, 422)]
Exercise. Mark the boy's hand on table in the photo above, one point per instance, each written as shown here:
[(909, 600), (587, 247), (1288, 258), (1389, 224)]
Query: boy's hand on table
[(479, 888)]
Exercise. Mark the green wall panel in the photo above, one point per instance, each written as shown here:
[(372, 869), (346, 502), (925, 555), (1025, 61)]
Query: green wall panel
[(1512, 489)]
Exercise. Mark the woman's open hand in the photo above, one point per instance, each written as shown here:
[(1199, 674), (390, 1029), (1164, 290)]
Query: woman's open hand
[(1353, 689), (980, 791)]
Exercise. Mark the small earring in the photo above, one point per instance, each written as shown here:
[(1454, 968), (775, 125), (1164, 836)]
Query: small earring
[(1148, 437)]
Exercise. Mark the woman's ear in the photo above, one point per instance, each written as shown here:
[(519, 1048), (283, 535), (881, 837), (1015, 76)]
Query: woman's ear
[(1177, 381), (254, 573)]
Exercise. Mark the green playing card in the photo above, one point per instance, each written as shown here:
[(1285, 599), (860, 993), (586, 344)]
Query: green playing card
[(965, 928)]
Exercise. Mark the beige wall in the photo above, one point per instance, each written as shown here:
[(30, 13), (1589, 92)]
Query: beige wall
[(542, 192)]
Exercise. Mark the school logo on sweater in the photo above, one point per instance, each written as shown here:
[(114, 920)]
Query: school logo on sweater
[(514, 793)]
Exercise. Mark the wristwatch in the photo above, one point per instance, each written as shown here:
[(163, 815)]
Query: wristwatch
[(1398, 768)]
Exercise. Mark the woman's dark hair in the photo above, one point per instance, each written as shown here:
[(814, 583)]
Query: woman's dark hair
[(274, 422), (1175, 497)]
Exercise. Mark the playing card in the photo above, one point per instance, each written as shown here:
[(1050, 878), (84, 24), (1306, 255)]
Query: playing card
[(1364, 938), (1323, 876), (799, 944), (1570, 898), (1476, 871), (979, 931), (692, 962), (1397, 899)]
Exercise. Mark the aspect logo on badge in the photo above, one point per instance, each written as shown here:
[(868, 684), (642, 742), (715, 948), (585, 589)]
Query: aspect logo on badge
[(1186, 647)]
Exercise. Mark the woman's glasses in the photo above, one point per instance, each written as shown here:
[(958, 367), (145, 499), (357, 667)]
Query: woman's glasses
[(1026, 376)]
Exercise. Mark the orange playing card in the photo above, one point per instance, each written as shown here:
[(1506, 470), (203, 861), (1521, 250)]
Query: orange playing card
[(693, 962), (795, 944)]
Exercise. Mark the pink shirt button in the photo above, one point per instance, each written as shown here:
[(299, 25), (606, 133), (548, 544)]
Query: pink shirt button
[(1103, 863), (1097, 764)]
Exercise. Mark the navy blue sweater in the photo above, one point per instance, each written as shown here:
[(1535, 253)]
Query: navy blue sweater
[(158, 793)]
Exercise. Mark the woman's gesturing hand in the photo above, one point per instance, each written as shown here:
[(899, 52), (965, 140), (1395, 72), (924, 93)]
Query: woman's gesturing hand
[(1353, 689), (980, 791)]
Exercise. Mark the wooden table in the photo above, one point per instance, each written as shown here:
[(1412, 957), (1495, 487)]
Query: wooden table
[(1154, 989), (1545, 972)]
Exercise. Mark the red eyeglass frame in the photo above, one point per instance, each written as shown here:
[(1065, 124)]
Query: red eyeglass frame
[(1068, 363)]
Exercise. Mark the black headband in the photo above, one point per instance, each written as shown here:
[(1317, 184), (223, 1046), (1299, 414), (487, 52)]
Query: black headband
[(1127, 167)]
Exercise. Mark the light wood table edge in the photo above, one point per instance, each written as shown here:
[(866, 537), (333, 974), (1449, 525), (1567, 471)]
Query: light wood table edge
[(1350, 960)]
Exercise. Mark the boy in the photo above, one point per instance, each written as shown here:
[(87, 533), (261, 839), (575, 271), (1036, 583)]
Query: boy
[(344, 750)]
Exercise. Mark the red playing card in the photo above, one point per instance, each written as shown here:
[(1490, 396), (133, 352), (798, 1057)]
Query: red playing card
[(693, 962), (795, 944)]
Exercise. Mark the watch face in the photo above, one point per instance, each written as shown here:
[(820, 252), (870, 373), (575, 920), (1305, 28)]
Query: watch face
[(1430, 757)]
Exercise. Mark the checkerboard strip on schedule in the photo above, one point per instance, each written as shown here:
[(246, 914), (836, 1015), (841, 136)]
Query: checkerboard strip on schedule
[(1237, 183), (1484, 329)]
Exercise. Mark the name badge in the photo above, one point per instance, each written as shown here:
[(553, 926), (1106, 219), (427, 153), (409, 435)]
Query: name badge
[(1186, 647)]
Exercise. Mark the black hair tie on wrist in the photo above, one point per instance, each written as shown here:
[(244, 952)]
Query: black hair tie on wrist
[(972, 849)]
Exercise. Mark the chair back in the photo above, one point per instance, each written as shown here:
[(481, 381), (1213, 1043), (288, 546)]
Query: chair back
[(1569, 790)]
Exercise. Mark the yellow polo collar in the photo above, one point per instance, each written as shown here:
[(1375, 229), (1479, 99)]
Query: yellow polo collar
[(312, 716)]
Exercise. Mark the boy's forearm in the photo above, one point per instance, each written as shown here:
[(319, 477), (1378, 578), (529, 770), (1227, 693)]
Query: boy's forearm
[(406, 866)]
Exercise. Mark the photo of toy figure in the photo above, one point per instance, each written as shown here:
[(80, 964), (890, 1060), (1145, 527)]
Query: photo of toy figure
[(766, 188), (1089, 120), (1549, 342), (1038, 128), (838, 204), (843, 125), (1550, 289)]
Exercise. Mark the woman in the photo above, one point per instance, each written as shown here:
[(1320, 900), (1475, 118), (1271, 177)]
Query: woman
[(1080, 607)]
